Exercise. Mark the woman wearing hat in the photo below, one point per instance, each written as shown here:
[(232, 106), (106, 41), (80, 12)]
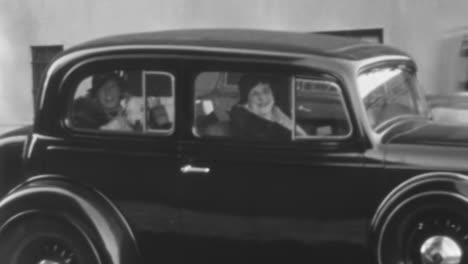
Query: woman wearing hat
[(256, 116), (100, 104)]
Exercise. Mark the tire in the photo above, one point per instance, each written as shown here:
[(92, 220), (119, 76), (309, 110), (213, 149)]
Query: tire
[(34, 238), (426, 231)]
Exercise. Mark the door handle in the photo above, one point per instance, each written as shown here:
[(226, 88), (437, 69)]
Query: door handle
[(193, 169)]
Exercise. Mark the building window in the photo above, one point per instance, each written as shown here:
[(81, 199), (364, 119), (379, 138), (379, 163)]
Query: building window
[(41, 57)]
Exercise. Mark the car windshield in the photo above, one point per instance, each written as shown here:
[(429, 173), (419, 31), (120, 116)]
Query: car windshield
[(390, 92)]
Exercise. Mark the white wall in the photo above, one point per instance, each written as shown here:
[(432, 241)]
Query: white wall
[(421, 27), (16, 29)]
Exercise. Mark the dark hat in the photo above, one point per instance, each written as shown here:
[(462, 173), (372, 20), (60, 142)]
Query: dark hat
[(249, 81), (100, 79)]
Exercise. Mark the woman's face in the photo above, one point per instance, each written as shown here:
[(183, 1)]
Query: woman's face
[(159, 115), (260, 99), (109, 94)]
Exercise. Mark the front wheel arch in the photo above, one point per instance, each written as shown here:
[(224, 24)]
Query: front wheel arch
[(452, 187), (414, 222)]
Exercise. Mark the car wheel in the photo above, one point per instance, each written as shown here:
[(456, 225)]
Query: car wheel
[(44, 239), (433, 234), (437, 238)]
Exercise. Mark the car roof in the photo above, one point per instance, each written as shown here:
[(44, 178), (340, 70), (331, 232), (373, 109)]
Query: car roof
[(248, 39)]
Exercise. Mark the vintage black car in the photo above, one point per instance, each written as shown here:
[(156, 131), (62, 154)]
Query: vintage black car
[(235, 146)]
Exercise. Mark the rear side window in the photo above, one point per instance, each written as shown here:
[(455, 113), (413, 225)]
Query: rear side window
[(123, 101), (267, 106)]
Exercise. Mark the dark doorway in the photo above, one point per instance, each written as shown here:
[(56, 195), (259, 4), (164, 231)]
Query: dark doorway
[(41, 57)]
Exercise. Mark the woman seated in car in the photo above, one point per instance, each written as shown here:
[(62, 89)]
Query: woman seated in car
[(256, 116), (101, 103)]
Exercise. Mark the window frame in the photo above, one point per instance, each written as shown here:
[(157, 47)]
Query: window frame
[(102, 64), (292, 92), (224, 71), (406, 65), (144, 90), (343, 104)]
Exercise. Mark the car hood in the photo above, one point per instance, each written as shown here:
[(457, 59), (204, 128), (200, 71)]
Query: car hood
[(427, 146), (431, 134)]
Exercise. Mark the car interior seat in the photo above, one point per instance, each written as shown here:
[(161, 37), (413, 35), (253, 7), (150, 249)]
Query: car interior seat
[(213, 104)]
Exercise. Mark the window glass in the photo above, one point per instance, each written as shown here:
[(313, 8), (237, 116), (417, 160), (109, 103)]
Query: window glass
[(319, 110), (243, 105), (389, 92), (160, 100), (124, 101)]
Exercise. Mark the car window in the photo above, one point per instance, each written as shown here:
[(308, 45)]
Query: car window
[(259, 106), (388, 93), (320, 110), (242, 105), (123, 101)]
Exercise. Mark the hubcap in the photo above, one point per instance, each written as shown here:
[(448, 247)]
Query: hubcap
[(54, 252), (441, 250), (46, 261)]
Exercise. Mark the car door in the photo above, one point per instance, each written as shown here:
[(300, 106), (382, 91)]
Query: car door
[(131, 157), (301, 192)]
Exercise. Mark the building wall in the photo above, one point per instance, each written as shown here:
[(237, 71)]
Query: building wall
[(429, 30)]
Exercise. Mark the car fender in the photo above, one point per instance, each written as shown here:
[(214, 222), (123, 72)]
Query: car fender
[(81, 205), (433, 182), (11, 162)]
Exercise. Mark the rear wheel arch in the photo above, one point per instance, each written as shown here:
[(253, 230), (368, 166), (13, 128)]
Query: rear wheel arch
[(80, 205)]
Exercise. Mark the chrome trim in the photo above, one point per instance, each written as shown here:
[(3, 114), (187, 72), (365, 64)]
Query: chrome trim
[(31, 146), (48, 261), (406, 201), (441, 250), (145, 99), (35, 137), (293, 106), (194, 169), (343, 103)]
